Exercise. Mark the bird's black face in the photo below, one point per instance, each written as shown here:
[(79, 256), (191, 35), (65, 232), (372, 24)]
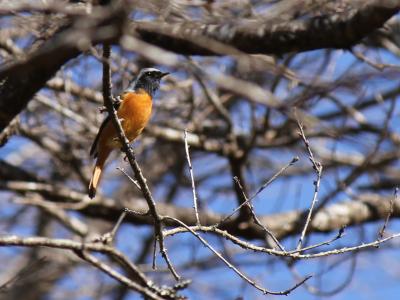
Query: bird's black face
[(149, 80)]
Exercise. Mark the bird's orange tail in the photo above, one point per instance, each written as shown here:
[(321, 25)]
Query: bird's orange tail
[(98, 168)]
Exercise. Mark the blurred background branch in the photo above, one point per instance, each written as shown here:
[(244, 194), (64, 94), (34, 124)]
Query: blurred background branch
[(243, 73)]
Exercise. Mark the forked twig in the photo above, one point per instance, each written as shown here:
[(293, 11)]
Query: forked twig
[(318, 170), (232, 267)]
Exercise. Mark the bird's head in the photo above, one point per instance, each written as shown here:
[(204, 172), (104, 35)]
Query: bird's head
[(148, 80)]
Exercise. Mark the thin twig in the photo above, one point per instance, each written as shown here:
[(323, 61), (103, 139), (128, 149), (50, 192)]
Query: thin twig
[(328, 242), (318, 170), (210, 95), (119, 277), (255, 218), (374, 64), (268, 182), (129, 177), (392, 200), (29, 270), (108, 238), (293, 254), (153, 264), (192, 179), (346, 279)]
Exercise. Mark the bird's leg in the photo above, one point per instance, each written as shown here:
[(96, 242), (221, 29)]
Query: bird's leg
[(116, 101), (130, 148), (126, 158)]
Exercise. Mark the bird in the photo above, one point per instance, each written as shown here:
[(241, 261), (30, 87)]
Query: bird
[(134, 111)]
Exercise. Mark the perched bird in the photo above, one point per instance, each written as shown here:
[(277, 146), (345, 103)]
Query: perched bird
[(134, 111)]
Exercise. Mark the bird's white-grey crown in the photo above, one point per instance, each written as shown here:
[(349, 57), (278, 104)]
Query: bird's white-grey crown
[(140, 75), (148, 70), (147, 79)]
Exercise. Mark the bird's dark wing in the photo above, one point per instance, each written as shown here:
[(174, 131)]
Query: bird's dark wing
[(93, 149)]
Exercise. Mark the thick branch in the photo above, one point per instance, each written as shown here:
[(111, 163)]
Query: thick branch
[(339, 30), (347, 213), (19, 82)]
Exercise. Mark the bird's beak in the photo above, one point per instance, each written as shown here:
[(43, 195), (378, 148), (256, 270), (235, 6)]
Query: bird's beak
[(164, 74)]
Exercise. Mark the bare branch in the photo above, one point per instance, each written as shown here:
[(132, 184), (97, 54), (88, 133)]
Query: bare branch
[(192, 179), (318, 170)]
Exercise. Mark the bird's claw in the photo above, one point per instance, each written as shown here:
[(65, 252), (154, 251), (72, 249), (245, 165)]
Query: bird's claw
[(116, 102), (102, 109)]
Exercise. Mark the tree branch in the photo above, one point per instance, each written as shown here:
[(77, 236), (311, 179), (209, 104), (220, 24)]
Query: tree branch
[(339, 30)]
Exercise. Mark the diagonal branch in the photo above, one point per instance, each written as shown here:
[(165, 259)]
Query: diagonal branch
[(140, 282), (108, 102)]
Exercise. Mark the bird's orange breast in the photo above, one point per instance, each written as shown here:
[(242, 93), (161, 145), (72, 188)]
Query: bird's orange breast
[(134, 112)]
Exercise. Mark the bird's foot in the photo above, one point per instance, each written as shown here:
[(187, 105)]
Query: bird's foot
[(130, 149), (102, 109), (116, 102)]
